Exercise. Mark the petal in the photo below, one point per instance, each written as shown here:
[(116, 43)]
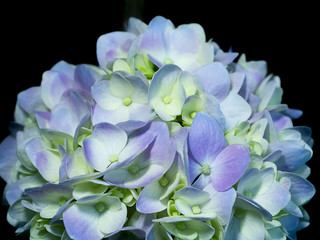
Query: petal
[(101, 93), (100, 115), (252, 227), (113, 45), (112, 220), (229, 166), (221, 202), (255, 181), (113, 137), (248, 204), (30, 100), (81, 222), (136, 26), (215, 79), (49, 194), (206, 139), (67, 114), (86, 75), (294, 154), (275, 199), (301, 190), (202, 181), (163, 81), (155, 38), (44, 160), (96, 154), (106, 139), (149, 199), (139, 112), (120, 86), (193, 196), (137, 143), (147, 167), (158, 232), (140, 94), (235, 109), (53, 85)]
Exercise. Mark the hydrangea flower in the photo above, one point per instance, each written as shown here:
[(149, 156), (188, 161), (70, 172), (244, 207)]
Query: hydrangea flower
[(162, 140)]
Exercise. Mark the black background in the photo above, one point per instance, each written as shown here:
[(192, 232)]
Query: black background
[(34, 37)]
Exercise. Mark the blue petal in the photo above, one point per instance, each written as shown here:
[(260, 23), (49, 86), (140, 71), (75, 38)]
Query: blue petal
[(206, 139)]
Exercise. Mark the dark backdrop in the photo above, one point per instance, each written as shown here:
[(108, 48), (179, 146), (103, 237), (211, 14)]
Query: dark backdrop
[(35, 37)]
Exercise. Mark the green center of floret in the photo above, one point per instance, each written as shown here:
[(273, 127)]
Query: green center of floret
[(113, 158), (166, 99), (206, 169), (100, 207), (164, 181), (181, 226), (127, 101), (133, 169), (196, 209), (193, 115)]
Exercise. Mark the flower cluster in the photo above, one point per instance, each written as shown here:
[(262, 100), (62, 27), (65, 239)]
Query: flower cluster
[(169, 138)]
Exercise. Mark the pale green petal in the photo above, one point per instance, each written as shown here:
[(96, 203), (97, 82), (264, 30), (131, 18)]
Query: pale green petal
[(88, 188), (49, 211), (120, 86)]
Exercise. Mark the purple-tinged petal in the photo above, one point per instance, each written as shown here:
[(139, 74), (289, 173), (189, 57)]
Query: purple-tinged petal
[(106, 139), (229, 166), (194, 168), (239, 84), (142, 171), (81, 222), (140, 112), (49, 194), (86, 76), (137, 143), (225, 57), (67, 114), (99, 115), (101, 93), (113, 45), (55, 82), (281, 121), (202, 181), (14, 191), (131, 125), (44, 160), (155, 38), (42, 118), (215, 79), (65, 68), (30, 100), (255, 70), (206, 139), (149, 199)]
